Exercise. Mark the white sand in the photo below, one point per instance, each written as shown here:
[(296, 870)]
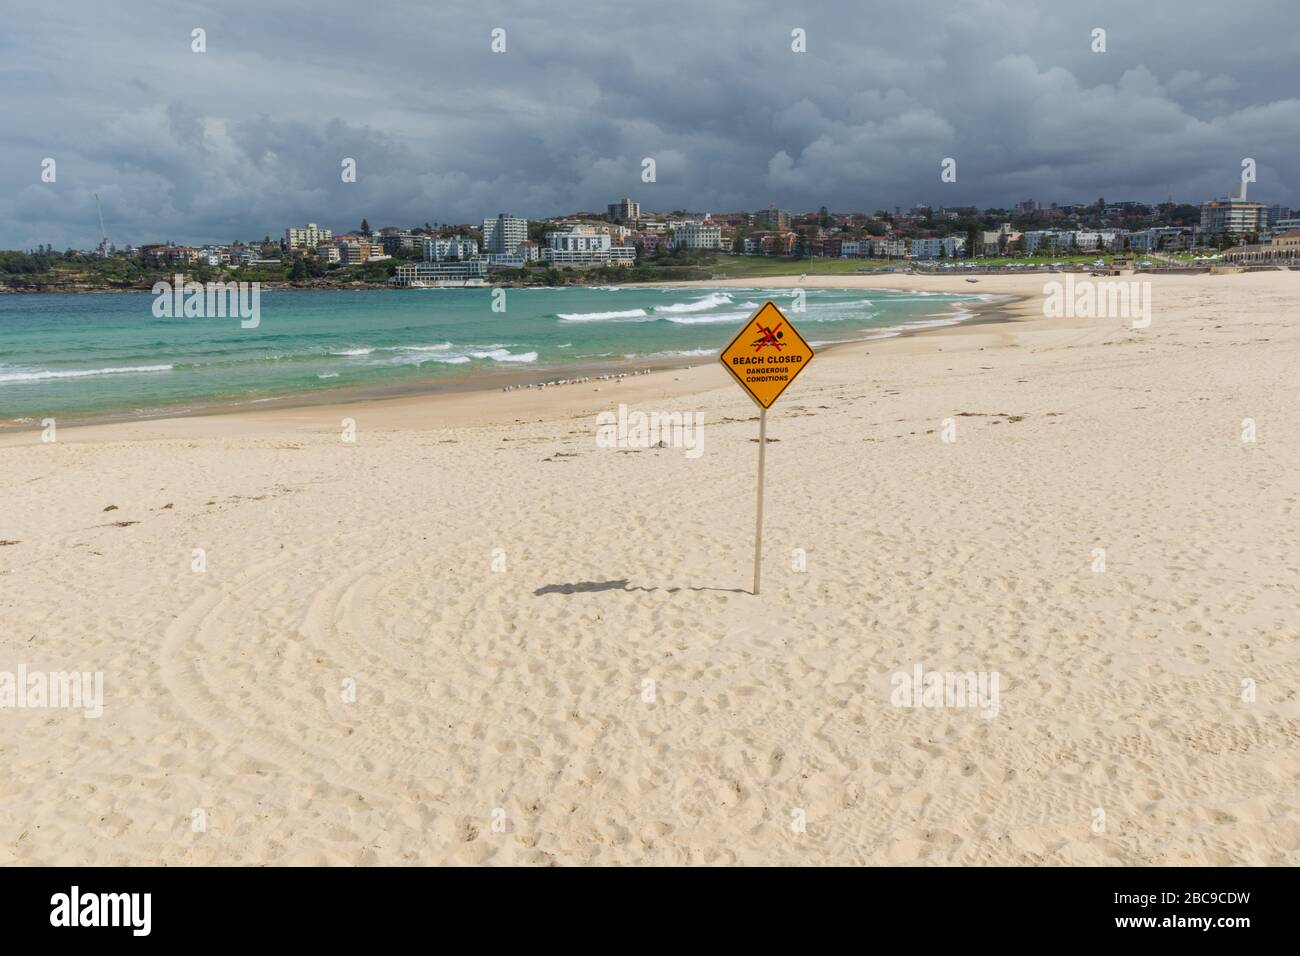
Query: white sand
[(523, 689)]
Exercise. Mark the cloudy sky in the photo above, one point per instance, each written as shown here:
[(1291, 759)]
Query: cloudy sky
[(246, 138)]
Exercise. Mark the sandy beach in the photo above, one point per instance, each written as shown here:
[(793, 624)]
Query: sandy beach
[(472, 636)]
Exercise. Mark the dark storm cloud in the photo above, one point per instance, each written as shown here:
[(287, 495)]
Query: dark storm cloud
[(248, 137)]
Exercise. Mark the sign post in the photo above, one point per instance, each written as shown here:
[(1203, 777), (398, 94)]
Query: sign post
[(765, 356)]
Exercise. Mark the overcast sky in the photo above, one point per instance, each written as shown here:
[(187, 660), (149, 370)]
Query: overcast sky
[(246, 138)]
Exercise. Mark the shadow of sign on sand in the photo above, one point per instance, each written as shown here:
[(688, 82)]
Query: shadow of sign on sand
[(620, 585)]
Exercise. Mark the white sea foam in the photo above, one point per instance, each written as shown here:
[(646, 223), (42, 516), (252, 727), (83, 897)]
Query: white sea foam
[(710, 301), (501, 355), (601, 316), (682, 353), (441, 347), (43, 374)]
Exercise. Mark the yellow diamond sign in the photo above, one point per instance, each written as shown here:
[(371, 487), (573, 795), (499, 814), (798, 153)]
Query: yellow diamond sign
[(766, 355)]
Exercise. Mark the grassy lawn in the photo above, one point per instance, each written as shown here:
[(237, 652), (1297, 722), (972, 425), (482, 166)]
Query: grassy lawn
[(740, 266)]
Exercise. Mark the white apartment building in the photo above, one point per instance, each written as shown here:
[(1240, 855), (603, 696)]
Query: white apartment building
[(1044, 241), (503, 234), (887, 248), (453, 247), (327, 251), (696, 235), (582, 245), (1161, 238), (852, 249), (308, 237), (948, 247)]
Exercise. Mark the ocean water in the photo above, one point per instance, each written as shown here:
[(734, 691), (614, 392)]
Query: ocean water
[(85, 355)]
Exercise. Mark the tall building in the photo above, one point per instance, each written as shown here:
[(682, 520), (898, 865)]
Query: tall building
[(503, 234), (778, 218), (1234, 216), (624, 211), (308, 237)]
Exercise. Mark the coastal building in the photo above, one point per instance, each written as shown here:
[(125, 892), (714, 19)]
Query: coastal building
[(1278, 214), (695, 235), (1161, 239), (439, 248), (1284, 250), (355, 251), (503, 234), (947, 247), (887, 248), (462, 270), (1040, 242), (625, 210), (170, 253), (580, 245), (396, 241), (327, 251), (776, 218), (1283, 225), (1234, 216), (306, 237), (781, 244)]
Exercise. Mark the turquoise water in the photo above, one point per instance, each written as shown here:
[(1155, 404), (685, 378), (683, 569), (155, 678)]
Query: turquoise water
[(108, 353)]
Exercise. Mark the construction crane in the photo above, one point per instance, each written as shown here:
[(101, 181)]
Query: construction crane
[(103, 235)]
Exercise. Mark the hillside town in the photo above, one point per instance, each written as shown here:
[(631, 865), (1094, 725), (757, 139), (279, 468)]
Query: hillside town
[(1232, 230)]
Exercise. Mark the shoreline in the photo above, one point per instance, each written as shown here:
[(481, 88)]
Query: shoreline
[(516, 379)]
